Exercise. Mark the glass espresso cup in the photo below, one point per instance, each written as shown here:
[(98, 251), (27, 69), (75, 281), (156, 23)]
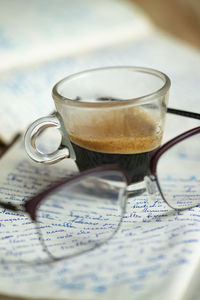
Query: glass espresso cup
[(112, 115)]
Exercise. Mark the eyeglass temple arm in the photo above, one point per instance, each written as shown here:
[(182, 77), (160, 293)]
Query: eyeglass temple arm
[(12, 207), (183, 113)]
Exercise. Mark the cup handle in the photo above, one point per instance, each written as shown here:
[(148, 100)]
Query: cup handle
[(30, 141)]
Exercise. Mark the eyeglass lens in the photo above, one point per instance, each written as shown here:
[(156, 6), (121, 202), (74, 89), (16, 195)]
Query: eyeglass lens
[(80, 215), (178, 173)]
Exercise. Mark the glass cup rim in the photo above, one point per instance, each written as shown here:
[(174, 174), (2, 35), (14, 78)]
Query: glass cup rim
[(106, 103)]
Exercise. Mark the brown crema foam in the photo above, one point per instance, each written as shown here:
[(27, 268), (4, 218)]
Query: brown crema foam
[(123, 131)]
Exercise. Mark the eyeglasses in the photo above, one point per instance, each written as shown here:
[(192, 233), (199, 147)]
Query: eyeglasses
[(84, 211)]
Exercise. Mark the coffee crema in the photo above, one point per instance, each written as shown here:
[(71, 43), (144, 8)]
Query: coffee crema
[(123, 131)]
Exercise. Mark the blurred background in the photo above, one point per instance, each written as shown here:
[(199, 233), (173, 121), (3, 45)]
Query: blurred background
[(180, 18)]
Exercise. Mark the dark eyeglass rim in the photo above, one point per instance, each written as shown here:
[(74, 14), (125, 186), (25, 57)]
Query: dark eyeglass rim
[(32, 203), (158, 154), (155, 157)]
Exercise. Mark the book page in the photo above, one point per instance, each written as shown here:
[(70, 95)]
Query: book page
[(193, 291), (152, 256), (26, 94), (39, 31)]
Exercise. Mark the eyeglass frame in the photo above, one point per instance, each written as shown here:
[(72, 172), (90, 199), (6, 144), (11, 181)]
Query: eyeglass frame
[(151, 179)]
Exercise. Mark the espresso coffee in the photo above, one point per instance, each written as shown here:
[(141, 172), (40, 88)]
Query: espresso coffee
[(135, 164), (126, 138)]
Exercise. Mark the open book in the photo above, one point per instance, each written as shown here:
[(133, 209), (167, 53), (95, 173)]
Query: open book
[(154, 255)]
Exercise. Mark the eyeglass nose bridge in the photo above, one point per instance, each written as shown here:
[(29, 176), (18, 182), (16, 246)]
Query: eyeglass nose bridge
[(150, 182)]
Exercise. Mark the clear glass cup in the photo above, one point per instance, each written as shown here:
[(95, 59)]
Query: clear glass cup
[(106, 116)]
